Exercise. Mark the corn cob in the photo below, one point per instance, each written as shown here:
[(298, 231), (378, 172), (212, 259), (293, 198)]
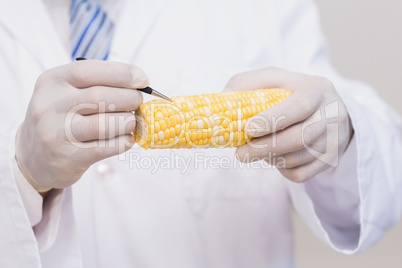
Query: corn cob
[(202, 121)]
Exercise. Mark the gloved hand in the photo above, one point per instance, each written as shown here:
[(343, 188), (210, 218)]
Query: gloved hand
[(79, 114), (302, 136)]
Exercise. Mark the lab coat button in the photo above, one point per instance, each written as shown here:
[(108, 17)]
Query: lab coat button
[(102, 168)]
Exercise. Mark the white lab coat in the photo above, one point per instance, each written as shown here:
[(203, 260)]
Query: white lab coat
[(126, 214)]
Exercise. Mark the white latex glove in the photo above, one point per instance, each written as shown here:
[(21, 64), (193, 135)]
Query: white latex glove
[(302, 136), (79, 114)]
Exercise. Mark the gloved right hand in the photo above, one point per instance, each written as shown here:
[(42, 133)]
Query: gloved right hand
[(79, 114)]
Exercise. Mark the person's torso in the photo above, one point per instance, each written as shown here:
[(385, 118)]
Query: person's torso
[(182, 208)]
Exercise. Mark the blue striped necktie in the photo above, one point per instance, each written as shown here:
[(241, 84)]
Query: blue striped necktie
[(91, 30)]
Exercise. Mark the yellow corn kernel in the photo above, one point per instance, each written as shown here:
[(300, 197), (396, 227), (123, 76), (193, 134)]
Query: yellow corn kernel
[(167, 133), (165, 112), (157, 127), (163, 125), (173, 120), (177, 129), (158, 116)]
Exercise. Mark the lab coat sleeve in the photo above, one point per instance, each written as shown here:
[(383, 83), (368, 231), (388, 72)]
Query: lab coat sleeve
[(18, 247), (33, 233), (31, 199), (58, 205), (351, 205)]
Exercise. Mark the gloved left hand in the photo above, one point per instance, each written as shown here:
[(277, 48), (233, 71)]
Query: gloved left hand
[(302, 136)]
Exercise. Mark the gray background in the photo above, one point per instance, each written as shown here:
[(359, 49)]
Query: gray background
[(365, 38)]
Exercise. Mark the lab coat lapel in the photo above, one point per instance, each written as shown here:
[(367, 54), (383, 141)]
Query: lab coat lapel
[(36, 31), (137, 19)]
